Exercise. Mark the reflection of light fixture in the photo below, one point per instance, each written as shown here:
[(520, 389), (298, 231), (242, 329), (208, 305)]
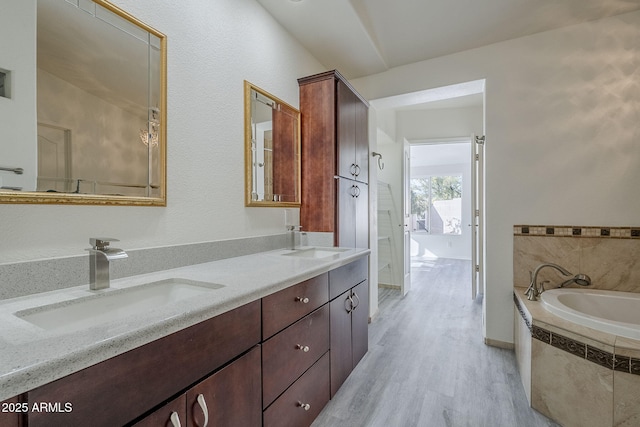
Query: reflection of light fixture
[(150, 135)]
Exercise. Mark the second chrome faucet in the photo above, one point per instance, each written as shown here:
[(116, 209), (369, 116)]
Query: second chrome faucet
[(100, 257)]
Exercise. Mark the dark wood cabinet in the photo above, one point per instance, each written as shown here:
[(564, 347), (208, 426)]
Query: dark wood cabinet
[(349, 320), (335, 147), (120, 389)]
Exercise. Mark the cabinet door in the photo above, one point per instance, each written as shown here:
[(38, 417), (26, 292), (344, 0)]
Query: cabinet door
[(346, 129), (346, 213), (173, 414), (341, 354), (360, 321), (230, 397)]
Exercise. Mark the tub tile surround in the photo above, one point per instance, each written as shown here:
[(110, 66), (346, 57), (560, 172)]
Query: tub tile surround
[(571, 373), (33, 277), (609, 255)]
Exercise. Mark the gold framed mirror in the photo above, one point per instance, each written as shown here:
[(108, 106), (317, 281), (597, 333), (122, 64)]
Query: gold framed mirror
[(101, 111), (272, 150)]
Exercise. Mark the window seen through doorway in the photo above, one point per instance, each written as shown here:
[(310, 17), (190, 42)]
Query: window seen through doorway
[(436, 205)]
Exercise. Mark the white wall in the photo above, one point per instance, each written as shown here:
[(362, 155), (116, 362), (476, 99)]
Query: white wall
[(212, 47), (562, 126), (119, 157), (17, 113)]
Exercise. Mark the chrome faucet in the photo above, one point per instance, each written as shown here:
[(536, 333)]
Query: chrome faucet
[(534, 290), (291, 234), (100, 255)]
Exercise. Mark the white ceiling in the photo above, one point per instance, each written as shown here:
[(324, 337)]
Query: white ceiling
[(364, 37)]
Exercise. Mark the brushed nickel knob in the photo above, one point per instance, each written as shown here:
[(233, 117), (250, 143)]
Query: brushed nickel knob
[(303, 300), (304, 348), (304, 406)]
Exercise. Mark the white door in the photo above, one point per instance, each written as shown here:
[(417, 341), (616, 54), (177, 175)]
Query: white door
[(54, 158), (477, 173), (406, 216)]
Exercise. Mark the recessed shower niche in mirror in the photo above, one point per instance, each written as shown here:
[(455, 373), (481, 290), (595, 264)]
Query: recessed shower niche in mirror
[(101, 110), (272, 150)]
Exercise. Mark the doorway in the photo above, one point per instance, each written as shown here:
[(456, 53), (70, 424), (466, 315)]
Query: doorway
[(443, 204)]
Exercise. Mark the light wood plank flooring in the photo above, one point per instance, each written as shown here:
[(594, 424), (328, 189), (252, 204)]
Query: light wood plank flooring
[(427, 364)]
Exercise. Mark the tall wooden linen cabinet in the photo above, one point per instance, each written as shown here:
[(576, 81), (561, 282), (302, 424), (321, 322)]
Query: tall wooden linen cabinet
[(335, 159)]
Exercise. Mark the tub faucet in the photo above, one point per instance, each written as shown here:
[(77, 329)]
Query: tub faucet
[(100, 255), (534, 290)]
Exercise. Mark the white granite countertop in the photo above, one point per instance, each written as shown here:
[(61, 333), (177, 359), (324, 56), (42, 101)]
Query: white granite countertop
[(31, 356)]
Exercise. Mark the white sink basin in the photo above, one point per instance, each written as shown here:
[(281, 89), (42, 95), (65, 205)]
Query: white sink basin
[(104, 307), (314, 252)]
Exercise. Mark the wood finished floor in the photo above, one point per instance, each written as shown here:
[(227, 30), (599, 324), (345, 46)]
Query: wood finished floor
[(427, 364)]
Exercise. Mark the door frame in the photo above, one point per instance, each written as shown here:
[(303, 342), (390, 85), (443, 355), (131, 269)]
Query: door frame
[(477, 204)]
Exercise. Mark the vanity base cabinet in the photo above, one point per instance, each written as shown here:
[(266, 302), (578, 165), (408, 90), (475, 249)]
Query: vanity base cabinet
[(120, 389), (349, 320), (304, 400)]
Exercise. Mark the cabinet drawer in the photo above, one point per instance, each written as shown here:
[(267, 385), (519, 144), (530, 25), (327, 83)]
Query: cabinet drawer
[(346, 277), (281, 309), (288, 354), (311, 389), (116, 391)]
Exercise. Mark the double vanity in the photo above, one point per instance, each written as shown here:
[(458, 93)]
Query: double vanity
[(263, 339)]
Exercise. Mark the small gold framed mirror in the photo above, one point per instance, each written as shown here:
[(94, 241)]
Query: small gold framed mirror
[(272, 150)]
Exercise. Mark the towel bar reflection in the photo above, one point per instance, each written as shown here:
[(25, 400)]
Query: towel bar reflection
[(379, 156), (17, 171)]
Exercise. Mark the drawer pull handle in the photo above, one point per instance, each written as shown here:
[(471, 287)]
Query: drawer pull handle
[(175, 419), (304, 348), (203, 406), (348, 304), (304, 406), (357, 300), (303, 300)]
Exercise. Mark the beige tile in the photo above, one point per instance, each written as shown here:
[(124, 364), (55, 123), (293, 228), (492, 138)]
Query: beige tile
[(531, 251), (626, 411), (612, 263), (522, 338), (628, 347), (572, 391)]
